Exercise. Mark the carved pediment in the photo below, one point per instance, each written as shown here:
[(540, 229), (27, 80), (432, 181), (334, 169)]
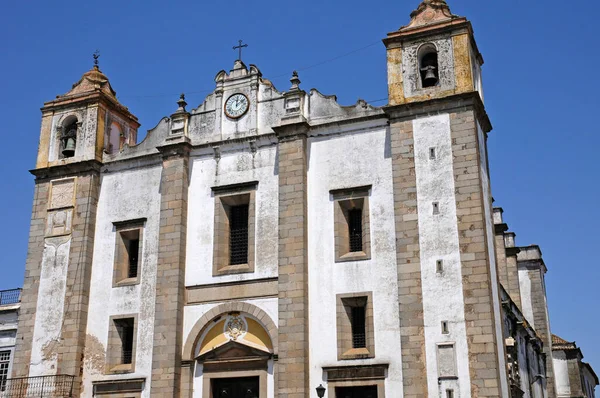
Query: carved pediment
[(233, 350)]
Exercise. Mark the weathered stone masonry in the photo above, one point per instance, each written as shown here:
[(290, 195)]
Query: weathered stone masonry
[(170, 278)]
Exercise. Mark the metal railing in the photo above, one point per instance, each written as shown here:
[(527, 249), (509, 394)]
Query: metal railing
[(59, 386), (11, 296)]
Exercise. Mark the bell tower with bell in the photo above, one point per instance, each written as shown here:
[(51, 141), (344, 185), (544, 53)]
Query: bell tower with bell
[(85, 122), (79, 129), (443, 204)]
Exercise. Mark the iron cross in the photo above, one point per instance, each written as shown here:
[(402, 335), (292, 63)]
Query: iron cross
[(240, 46)]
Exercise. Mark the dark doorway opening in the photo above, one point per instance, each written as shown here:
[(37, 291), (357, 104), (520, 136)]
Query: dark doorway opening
[(356, 392), (240, 387)]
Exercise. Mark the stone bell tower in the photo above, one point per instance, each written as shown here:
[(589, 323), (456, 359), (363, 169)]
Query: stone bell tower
[(448, 283), (78, 129)]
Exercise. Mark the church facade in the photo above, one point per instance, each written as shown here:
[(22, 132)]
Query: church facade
[(278, 244)]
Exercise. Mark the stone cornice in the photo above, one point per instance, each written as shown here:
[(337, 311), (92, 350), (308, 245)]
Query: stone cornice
[(67, 170), (177, 148), (292, 131), (451, 103)]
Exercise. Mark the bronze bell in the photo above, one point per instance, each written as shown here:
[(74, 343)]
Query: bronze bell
[(430, 79), (69, 150)]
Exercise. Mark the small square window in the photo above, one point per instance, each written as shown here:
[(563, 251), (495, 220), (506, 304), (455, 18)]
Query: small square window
[(128, 252), (445, 329), (432, 154), (352, 229), (439, 266)]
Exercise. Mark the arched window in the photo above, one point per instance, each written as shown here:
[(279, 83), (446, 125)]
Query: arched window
[(428, 66), (114, 138), (68, 139)]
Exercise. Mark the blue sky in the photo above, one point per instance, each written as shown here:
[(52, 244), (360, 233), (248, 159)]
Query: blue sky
[(539, 75)]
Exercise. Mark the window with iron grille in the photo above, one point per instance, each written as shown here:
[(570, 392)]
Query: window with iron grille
[(126, 334), (238, 234), (359, 330), (4, 362), (355, 230)]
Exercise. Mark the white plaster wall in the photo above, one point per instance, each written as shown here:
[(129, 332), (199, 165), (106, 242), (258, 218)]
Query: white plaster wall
[(192, 313), (561, 373), (233, 167), (50, 307), (124, 195), (347, 161), (489, 229), (526, 304), (438, 240)]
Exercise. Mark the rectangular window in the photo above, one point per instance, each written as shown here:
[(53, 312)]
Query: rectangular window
[(355, 230), (128, 252), (238, 235), (125, 331), (234, 226), (351, 224), (355, 331), (359, 331), (4, 363), (120, 355)]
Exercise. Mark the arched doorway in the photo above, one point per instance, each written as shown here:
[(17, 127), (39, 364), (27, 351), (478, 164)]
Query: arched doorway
[(233, 356)]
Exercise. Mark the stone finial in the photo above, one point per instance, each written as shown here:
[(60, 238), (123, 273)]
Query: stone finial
[(96, 55), (295, 81), (181, 102), (429, 12)]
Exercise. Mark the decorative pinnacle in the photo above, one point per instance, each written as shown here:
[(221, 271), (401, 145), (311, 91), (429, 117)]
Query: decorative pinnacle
[(96, 55), (295, 81), (181, 102)]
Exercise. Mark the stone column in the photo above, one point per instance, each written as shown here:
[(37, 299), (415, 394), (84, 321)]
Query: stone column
[(170, 275), (292, 368), (410, 293)]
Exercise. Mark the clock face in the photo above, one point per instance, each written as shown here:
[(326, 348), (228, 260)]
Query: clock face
[(236, 106)]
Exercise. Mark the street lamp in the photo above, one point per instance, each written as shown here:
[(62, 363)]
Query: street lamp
[(320, 391)]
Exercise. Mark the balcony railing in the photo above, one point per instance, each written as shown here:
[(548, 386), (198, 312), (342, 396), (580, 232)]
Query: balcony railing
[(12, 296), (59, 386)]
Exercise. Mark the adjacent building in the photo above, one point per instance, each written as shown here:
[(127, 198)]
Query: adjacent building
[(10, 302), (267, 242)]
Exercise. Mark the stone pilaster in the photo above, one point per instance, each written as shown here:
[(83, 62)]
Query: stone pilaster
[(479, 269), (512, 270), (33, 265), (530, 261), (293, 367), (70, 351), (410, 293), (170, 275)]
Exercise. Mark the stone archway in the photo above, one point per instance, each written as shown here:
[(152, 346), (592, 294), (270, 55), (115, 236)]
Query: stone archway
[(236, 306)]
